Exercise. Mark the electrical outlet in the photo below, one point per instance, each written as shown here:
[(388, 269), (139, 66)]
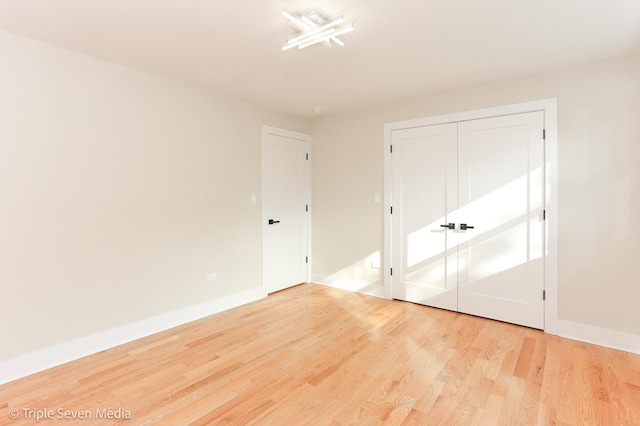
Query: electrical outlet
[(211, 276)]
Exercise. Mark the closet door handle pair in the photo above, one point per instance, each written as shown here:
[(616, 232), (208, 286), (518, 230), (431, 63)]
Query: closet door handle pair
[(463, 226)]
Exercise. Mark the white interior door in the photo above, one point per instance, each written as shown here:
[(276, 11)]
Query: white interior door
[(501, 194), (486, 176), (425, 200), (285, 216)]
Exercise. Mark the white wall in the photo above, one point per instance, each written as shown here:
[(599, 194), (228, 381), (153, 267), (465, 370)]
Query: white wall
[(599, 185), (119, 191)]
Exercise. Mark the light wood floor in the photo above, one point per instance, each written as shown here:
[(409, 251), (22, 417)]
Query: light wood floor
[(316, 355)]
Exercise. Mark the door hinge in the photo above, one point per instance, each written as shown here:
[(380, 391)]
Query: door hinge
[(544, 295), (391, 271), (391, 209), (391, 149), (544, 134), (306, 259), (306, 208), (544, 215), (307, 155)]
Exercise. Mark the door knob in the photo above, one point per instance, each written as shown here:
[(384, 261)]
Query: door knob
[(449, 226), (464, 226), (271, 221)]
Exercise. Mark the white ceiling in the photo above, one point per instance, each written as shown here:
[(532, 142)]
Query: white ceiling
[(399, 49)]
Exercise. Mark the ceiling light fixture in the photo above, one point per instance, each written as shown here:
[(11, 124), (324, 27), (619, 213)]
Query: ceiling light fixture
[(315, 28)]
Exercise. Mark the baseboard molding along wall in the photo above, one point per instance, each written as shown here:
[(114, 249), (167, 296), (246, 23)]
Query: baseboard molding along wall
[(349, 284), (600, 336), (34, 362), (25, 365)]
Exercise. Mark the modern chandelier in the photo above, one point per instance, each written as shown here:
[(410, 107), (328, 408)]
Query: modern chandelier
[(315, 28)]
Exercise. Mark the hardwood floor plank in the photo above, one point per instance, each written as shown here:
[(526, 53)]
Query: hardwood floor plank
[(548, 408), (533, 387), (400, 411), (491, 411), (512, 407), (566, 384), (524, 359), (318, 355)]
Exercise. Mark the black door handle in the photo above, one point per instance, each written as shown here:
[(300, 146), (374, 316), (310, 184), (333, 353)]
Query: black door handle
[(449, 226), (464, 226), (271, 221)]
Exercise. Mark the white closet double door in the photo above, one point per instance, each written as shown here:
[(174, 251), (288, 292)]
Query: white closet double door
[(468, 220)]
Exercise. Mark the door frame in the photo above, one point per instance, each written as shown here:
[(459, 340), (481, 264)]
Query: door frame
[(550, 108), (270, 130)]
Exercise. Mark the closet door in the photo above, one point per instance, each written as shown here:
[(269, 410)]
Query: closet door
[(424, 186), (467, 223), (501, 195)]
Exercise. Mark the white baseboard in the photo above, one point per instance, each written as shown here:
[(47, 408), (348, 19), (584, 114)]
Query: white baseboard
[(600, 336), (34, 362), (349, 284), (25, 365)]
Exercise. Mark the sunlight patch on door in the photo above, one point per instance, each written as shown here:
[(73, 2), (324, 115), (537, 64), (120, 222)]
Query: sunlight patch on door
[(425, 243), (505, 235)]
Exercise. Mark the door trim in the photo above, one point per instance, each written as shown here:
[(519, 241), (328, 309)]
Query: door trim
[(269, 130), (550, 108)]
